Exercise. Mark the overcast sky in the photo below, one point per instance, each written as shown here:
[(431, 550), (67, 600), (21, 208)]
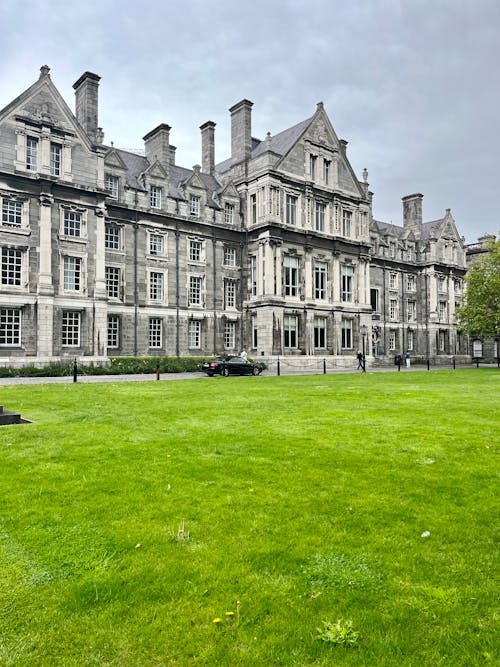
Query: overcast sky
[(413, 85)]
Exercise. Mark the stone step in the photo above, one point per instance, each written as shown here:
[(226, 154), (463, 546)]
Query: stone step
[(8, 417)]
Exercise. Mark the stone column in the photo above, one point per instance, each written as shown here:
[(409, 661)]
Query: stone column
[(260, 269), (45, 300), (336, 277), (268, 268), (308, 273)]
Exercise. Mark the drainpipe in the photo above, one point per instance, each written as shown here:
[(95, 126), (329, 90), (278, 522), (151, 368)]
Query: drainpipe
[(136, 288), (214, 243), (177, 288)]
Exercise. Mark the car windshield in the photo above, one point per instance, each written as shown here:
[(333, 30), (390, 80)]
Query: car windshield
[(238, 360)]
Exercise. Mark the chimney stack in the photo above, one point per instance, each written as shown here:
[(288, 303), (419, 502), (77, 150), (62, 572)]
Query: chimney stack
[(171, 153), (87, 103), (156, 145), (241, 131), (412, 213), (208, 147)]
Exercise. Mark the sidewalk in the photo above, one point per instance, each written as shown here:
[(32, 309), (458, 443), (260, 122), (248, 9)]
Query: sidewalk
[(270, 372)]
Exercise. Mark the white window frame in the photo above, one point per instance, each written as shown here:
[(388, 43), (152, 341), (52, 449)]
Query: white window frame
[(320, 280), (290, 331), (194, 334), (10, 327), (392, 340), (442, 310), (113, 331), (112, 241), (411, 309), (13, 212), (155, 333), (13, 268), (313, 160), (411, 282), (195, 296), (393, 309), (291, 275), (230, 293), (319, 217), (410, 340), (55, 158), (291, 209), (346, 339), (32, 145), (78, 272), (112, 185), (229, 256), (347, 282), (229, 335), (196, 250), (393, 280), (156, 244), (346, 223), (228, 213), (73, 223), (326, 171), (155, 196), (113, 277), (71, 328), (253, 275), (156, 286), (194, 205)]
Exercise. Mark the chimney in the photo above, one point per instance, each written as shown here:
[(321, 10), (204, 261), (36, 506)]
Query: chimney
[(208, 147), (241, 131), (412, 213), (87, 103), (171, 153), (156, 145)]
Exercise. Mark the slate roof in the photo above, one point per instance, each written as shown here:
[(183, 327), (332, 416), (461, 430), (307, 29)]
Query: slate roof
[(280, 143), (137, 164)]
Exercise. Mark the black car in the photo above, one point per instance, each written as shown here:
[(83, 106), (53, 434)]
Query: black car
[(231, 366)]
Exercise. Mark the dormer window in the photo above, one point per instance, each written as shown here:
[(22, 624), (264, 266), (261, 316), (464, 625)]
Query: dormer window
[(55, 159), (31, 153), (155, 196), (112, 184), (229, 214), (194, 205)]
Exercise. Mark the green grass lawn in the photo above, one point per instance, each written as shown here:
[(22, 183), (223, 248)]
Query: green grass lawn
[(368, 498)]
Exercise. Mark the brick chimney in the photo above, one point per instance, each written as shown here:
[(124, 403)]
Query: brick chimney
[(156, 145), (412, 213), (208, 147), (241, 131), (87, 103)]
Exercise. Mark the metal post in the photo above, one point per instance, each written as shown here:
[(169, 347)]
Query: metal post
[(158, 368), (453, 363), (75, 371), (477, 362), (428, 365), (278, 366), (324, 366)]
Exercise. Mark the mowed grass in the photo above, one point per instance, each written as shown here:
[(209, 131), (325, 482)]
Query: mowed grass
[(305, 499)]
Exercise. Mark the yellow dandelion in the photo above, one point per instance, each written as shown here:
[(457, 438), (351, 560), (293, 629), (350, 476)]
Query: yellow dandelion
[(217, 620), (250, 490), (229, 613)]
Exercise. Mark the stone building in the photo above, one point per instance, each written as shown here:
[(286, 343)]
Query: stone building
[(107, 252)]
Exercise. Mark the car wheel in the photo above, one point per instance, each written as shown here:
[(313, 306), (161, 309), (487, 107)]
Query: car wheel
[(210, 375), (256, 371), (225, 372)]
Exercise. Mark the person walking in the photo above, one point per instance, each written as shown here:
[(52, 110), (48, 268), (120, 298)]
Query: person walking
[(359, 357), (407, 359)]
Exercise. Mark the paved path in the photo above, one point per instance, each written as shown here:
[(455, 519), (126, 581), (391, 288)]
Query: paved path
[(148, 377)]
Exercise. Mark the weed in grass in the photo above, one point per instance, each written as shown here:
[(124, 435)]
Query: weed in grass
[(340, 633)]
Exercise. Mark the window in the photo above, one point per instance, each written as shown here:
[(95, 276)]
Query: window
[(410, 344), (392, 249), (442, 310), (155, 196), (374, 299), (31, 153), (229, 293), (70, 328), (229, 335), (393, 309), (10, 327), (194, 334), (12, 261), (291, 210), (112, 239), (194, 205), (410, 252), (442, 341), (55, 159), (319, 332), (113, 331), (320, 277), (411, 283), (312, 166), (290, 325), (112, 185), (229, 256), (155, 332), (320, 217), (393, 280), (346, 223), (347, 282), (229, 214), (72, 224), (457, 286), (112, 282), (253, 208), (156, 244), (412, 311), (12, 213), (253, 275), (442, 284), (255, 335), (195, 250), (291, 266), (346, 334), (195, 291), (72, 271), (156, 289), (392, 340), (326, 171)]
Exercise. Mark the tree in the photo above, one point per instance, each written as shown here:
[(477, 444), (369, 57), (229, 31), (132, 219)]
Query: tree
[(480, 313)]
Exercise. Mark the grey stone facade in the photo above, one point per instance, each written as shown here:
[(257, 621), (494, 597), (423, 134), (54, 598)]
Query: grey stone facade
[(106, 252)]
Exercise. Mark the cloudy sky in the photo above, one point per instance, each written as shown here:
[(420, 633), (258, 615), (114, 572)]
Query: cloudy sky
[(413, 85)]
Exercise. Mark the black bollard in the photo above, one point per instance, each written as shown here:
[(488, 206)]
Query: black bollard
[(75, 371), (158, 369), (324, 366), (453, 363), (428, 365), (278, 367)]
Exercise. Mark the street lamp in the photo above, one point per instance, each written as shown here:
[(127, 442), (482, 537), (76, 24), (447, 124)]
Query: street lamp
[(363, 330)]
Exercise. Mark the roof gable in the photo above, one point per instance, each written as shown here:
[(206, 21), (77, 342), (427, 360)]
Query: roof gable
[(113, 159)]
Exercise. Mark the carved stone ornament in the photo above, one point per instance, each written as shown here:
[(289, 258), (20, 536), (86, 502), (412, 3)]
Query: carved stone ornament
[(46, 200)]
